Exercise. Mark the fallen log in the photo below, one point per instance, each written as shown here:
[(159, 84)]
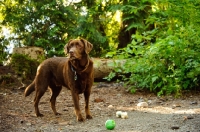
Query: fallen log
[(32, 51), (102, 67)]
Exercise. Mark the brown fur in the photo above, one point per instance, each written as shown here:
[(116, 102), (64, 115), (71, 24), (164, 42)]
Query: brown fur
[(60, 71)]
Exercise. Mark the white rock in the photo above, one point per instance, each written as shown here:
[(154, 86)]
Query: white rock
[(142, 105), (28, 124), (110, 106), (124, 115)]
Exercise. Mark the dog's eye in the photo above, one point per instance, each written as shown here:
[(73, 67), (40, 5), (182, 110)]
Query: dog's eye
[(78, 45), (71, 45)]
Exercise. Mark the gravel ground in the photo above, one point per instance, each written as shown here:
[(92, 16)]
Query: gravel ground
[(166, 114)]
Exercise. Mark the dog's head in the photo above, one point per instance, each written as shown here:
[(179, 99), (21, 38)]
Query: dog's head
[(77, 48)]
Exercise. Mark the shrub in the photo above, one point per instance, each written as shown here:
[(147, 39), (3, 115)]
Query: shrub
[(24, 66), (170, 65)]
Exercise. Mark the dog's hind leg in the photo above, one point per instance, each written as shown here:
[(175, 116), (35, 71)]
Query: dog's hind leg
[(55, 92), (39, 94), (41, 86)]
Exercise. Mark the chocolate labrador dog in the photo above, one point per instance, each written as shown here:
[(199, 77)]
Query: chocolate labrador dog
[(75, 73)]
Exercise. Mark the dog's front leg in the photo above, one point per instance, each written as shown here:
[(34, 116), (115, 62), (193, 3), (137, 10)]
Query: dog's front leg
[(87, 109), (75, 97)]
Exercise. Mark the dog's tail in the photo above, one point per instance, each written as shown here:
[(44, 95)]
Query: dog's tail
[(29, 89)]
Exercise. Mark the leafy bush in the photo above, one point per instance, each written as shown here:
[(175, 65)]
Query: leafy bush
[(24, 66), (169, 66), (3, 48), (166, 59)]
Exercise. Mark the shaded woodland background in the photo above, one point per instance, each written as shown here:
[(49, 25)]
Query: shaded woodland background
[(159, 38)]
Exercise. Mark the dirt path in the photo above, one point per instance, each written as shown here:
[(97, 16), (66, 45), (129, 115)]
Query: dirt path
[(163, 114)]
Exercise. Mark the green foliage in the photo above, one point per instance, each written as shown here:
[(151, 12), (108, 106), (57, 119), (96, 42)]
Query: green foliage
[(24, 66), (3, 52), (90, 29), (40, 23), (134, 16), (6, 79), (50, 24), (3, 47), (160, 37), (171, 64)]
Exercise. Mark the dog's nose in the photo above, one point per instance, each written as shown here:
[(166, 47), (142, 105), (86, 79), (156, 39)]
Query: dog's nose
[(71, 52)]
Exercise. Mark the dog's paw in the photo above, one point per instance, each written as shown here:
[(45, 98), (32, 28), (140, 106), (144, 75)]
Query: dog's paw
[(39, 115), (57, 114), (80, 118), (88, 117)]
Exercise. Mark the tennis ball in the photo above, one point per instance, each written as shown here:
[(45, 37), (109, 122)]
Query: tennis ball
[(110, 124), (118, 114), (124, 115)]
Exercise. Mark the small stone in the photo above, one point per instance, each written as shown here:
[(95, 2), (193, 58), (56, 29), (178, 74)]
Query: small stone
[(149, 101), (142, 105), (54, 122), (64, 123), (193, 103), (97, 100), (65, 109), (70, 123), (131, 109), (176, 105), (174, 127), (28, 124), (118, 95), (98, 125), (98, 108), (110, 106), (162, 103), (190, 117)]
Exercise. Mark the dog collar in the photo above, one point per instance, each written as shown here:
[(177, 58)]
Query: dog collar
[(75, 75), (86, 66), (73, 67)]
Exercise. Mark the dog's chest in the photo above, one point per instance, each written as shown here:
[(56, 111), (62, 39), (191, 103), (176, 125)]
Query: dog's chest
[(81, 83)]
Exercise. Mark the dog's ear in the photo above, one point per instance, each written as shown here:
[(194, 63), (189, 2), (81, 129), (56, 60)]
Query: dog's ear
[(66, 47), (88, 45)]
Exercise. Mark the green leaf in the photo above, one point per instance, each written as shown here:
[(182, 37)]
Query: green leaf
[(153, 79)]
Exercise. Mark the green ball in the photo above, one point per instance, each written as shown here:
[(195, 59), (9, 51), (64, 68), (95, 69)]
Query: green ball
[(110, 124)]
